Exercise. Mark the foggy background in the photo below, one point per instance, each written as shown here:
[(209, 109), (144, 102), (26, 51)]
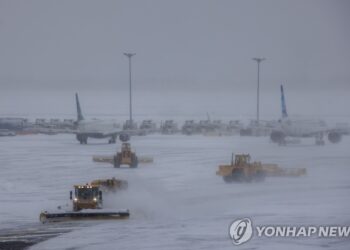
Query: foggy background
[(192, 57)]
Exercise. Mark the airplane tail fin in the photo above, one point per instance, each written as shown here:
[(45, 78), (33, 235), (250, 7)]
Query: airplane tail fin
[(208, 116), (79, 113), (283, 103)]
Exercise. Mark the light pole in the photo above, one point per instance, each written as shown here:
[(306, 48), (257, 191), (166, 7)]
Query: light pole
[(258, 60), (129, 55)]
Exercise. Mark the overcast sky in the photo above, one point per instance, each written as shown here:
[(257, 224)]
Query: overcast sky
[(182, 44)]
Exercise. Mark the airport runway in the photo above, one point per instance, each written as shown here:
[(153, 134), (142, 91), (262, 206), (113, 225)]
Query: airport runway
[(177, 202)]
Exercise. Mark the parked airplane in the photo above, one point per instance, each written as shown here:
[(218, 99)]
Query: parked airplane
[(96, 128), (302, 128)]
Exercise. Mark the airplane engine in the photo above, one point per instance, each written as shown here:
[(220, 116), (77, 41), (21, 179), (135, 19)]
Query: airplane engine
[(124, 137), (277, 136), (334, 137)]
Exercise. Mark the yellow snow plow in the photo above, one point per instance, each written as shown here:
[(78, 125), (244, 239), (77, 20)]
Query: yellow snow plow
[(125, 157), (110, 184), (242, 170), (87, 204)]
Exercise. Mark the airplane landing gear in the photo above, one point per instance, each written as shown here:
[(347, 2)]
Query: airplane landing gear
[(112, 140), (319, 140), (82, 139)]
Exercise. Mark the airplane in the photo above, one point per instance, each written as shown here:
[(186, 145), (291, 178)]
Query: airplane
[(97, 129), (302, 128)]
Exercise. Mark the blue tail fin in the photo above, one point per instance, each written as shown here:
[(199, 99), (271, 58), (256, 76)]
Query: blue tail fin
[(283, 103), (79, 113)]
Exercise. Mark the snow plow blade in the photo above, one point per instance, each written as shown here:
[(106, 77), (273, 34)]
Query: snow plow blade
[(83, 215), (145, 159), (110, 159), (102, 158), (273, 170), (111, 184)]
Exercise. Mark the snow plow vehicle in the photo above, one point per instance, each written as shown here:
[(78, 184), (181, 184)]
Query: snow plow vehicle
[(110, 184), (169, 127), (148, 127), (242, 170), (125, 157), (190, 127), (87, 204)]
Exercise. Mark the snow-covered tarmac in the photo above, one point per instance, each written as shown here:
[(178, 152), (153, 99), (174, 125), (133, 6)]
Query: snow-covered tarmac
[(177, 202)]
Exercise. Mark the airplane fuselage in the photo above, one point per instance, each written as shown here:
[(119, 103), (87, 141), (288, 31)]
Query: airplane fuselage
[(302, 128), (98, 130)]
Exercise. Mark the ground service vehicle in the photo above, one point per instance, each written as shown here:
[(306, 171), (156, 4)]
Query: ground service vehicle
[(125, 157), (87, 204)]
